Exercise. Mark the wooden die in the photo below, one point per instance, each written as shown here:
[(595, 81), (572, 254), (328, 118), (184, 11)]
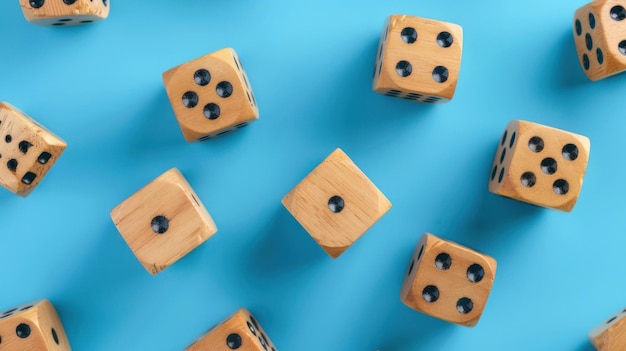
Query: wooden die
[(27, 150), (448, 281), (336, 203), (610, 335), (540, 165), (211, 95), (418, 59), (241, 331), (163, 221), (34, 326), (64, 12)]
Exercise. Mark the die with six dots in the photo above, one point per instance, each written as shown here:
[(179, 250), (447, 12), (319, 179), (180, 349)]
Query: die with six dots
[(64, 12), (34, 326), (448, 281), (163, 221), (336, 203), (540, 165), (418, 59), (241, 331), (611, 334), (600, 36), (27, 150), (211, 95)]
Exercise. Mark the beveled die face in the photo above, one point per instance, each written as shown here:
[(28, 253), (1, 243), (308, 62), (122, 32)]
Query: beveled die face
[(609, 335), (418, 59), (540, 165), (59, 13), (211, 96)]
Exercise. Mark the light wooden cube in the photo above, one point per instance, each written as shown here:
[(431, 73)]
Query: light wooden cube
[(163, 221), (64, 12), (34, 326), (448, 281), (211, 95), (336, 203), (610, 335), (600, 36), (241, 331), (27, 150), (418, 59), (540, 165)]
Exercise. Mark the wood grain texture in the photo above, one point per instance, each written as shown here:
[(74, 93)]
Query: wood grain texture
[(507, 172), (244, 330), (337, 175), (452, 283), (169, 196), (424, 55), (41, 319), (57, 13), (27, 150), (236, 110), (611, 334)]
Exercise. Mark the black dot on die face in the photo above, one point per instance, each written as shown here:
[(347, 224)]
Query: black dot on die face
[(58, 24), (600, 55), (160, 224), (254, 322), (24, 146), (535, 144), (494, 172), (233, 341), (55, 337), (430, 293), (506, 132), (44, 157), (464, 305), (592, 21), (512, 142), (579, 28), (548, 165), (560, 187), (105, 2), (409, 35), (611, 320), (69, 2), (202, 77), (336, 204), (622, 47), (588, 41), (251, 327), (28, 178), (618, 13), (411, 267), (8, 138), (190, 99), (586, 63), (445, 39), (570, 152), (36, 3), (440, 74), (502, 156), (404, 68), (224, 89), (443, 261), (475, 273), (22, 331), (528, 179), (501, 177), (212, 111), (12, 165)]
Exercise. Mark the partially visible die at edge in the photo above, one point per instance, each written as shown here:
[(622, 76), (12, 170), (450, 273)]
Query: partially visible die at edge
[(418, 59), (600, 37), (540, 165), (611, 334), (61, 13), (211, 95), (27, 150)]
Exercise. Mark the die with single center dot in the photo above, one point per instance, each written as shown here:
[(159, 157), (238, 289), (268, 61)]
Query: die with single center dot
[(611, 334), (211, 96), (34, 326), (448, 281), (61, 13), (336, 203), (163, 221), (241, 331), (540, 165), (418, 59)]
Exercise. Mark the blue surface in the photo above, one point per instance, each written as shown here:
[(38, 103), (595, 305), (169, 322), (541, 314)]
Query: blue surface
[(99, 87)]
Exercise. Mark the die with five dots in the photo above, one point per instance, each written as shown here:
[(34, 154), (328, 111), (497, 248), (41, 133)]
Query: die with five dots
[(27, 150), (163, 221), (241, 331), (336, 203), (64, 12), (34, 326), (448, 281), (211, 95), (611, 334), (600, 36), (418, 59), (540, 165)]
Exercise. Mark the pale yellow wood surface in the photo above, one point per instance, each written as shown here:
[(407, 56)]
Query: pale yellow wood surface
[(337, 175), (41, 318), (611, 334), (23, 147), (57, 13), (452, 283), (607, 36), (251, 335), (424, 55), (237, 110), (172, 197), (519, 159)]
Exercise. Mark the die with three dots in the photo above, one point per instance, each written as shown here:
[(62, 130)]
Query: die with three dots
[(64, 12)]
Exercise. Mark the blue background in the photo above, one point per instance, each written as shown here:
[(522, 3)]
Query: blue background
[(310, 65)]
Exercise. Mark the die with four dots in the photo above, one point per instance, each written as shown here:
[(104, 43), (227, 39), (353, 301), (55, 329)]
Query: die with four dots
[(27, 150), (211, 95), (540, 165), (418, 59), (64, 12), (600, 36), (34, 326), (241, 331), (336, 203), (611, 334), (448, 281), (163, 221)]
